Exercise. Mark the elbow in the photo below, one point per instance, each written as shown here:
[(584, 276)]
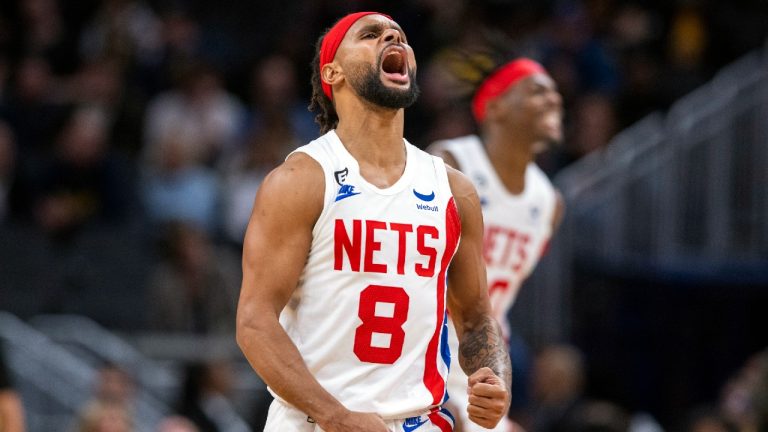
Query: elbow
[(246, 329), (253, 325)]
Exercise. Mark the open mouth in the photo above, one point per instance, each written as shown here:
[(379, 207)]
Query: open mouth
[(394, 64), (551, 116), (552, 121)]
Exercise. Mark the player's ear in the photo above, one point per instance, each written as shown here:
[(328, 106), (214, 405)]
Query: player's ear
[(331, 73)]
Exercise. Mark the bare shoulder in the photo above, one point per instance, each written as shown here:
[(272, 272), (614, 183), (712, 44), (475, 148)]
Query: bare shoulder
[(298, 168), (293, 190), (461, 185), (465, 194)]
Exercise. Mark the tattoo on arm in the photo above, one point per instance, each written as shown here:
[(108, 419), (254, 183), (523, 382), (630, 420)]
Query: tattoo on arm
[(482, 346)]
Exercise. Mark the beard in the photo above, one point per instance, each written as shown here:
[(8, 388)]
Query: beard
[(367, 84)]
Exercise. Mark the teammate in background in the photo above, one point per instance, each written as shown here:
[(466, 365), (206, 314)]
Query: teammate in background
[(519, 113), (365, 225)]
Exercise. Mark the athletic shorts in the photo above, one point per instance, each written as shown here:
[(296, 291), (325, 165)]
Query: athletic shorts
[(284, 418)]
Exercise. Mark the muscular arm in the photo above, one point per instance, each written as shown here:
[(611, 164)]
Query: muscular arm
[(480, 342), (276, 247)]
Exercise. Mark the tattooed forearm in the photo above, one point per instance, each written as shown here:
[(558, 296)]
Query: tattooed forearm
[(482, 346)]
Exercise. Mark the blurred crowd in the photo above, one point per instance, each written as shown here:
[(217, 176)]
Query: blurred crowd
[(162, 117), (558, 400), (169, 111)]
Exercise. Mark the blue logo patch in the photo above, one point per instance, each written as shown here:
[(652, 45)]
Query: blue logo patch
[(346, 191), (426, 198), (413, 423)]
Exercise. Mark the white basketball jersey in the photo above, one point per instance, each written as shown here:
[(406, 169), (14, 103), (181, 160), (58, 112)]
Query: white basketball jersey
[(370, 320), (517, 227)]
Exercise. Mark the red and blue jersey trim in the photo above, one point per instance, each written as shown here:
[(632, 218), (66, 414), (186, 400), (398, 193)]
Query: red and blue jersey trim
[(443, 419), (433, 380)]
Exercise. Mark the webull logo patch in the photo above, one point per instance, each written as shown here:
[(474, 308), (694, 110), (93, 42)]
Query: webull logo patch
[(426, 207)]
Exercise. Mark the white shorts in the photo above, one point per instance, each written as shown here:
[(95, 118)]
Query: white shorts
[(285, 418), (457, 391)]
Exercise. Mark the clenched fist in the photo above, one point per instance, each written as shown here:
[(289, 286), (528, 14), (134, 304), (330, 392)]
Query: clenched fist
[(489, 398)]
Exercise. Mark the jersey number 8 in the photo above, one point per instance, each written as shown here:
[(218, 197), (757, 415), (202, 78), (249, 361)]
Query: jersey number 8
[(386, 322)]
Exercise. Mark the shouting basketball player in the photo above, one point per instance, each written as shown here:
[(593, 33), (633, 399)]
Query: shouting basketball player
[(367, 228)]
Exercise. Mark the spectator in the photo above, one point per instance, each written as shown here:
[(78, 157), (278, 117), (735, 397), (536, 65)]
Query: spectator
[(46, 33), (180, 38), (194, 287), (557, 385), (187, 130), (265, 150), (279, 124), (114, 385), (592, 126), (5, 73), (577, 58), (84, 182), (686, 47), (81, 183), (176, 188), (124, 29), (32, 107), (7, 167), (176, 423), (744, 399), (111, 408), (198, 115), (598, 416), (205, 398), (103, 416), (101, 83), (11, 409), (708, 420), (274, 93)]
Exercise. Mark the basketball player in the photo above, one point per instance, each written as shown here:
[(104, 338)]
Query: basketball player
[(365, 225), (519, 112)]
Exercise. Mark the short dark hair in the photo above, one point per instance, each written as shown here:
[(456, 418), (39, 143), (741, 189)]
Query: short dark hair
[(472, 68), (326, 116), (472, 65)]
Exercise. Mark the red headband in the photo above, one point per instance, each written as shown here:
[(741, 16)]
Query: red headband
[(499, 81), (333, 39)]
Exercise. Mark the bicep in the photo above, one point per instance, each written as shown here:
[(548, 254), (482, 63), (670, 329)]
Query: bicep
[(279, 237)]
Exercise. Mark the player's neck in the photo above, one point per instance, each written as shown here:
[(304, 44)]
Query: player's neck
[(510, 157), (364, 124), (375, 139)]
